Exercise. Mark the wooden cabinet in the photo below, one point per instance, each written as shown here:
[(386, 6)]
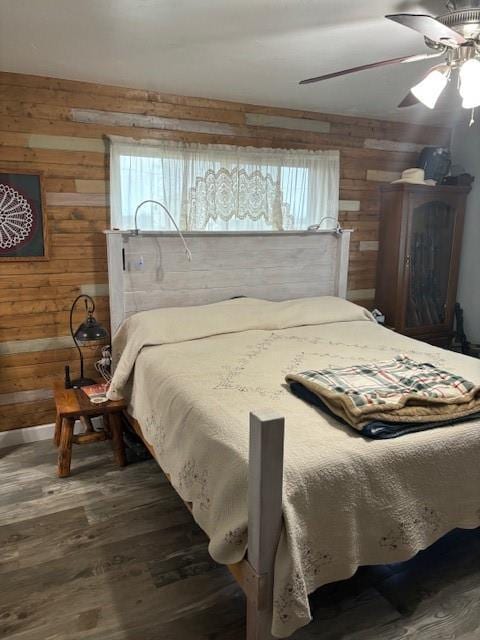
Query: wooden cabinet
[(421, 231)]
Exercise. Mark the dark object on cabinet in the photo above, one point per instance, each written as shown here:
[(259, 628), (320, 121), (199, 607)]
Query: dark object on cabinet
[(436, 162), (421, 231), (463, 179)]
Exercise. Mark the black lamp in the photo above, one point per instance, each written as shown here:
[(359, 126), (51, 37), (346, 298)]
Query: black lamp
[(89, 331)]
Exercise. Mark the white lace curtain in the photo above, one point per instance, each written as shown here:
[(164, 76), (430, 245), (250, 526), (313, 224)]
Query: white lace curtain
[(222, 188)]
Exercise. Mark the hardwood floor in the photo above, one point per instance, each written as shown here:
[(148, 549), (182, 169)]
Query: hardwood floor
[(112, 554)]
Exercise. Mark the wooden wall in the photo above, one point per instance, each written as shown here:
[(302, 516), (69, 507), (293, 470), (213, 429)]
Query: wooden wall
[(58, 127)]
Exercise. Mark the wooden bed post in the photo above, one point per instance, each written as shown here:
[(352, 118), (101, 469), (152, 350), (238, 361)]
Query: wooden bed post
[(343, 255), (265, 480)]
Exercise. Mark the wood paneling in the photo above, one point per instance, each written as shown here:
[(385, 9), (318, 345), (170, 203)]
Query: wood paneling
[(89, 199), (58, 127), (263, 120)]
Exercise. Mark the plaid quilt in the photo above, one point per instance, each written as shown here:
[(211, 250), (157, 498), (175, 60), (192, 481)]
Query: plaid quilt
[(398, 390)]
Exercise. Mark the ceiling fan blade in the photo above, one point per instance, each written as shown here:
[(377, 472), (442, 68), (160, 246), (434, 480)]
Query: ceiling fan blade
[(408, 101), (429, 27), (423, 56), (363, 67)]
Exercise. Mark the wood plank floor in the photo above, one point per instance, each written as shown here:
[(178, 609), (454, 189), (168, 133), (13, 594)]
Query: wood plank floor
[(112, 554)]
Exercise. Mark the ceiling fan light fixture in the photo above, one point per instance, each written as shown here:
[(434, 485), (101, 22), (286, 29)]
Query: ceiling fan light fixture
[(430, 88), (470, 83)]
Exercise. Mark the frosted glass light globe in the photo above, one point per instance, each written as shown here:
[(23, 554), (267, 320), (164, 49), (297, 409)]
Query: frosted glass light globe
[(429, 89), (470, 83)]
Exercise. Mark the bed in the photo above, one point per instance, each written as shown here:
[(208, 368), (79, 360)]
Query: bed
[(290, 498)]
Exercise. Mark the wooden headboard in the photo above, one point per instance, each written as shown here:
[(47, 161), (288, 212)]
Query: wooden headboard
[(150, 270)]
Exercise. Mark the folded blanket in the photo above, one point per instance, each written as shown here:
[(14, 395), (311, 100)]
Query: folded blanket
[(401, 393), (378, 429)]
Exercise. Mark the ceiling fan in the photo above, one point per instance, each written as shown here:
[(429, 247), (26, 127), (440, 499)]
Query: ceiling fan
[(455, 36)]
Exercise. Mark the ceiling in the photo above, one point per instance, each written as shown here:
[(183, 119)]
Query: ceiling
[(247, 50)]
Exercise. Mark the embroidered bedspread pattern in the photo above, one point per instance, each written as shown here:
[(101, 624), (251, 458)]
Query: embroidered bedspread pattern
[(397, 390), (173, 325), (347, 501)]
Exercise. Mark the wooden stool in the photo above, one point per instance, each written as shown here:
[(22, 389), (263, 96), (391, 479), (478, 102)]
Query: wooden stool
[(73, 404)]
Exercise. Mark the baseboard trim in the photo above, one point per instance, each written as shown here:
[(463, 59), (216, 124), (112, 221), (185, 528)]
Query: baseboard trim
[(30, 434), (25, 435)]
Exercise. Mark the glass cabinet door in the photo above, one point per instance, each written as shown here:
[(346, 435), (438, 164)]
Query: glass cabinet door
[(429, 253)]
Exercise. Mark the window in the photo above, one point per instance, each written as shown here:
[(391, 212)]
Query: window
[(222, 188)]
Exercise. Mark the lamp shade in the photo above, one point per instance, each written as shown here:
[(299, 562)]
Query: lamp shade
[(90, 331), (470, 83), (429, 89)]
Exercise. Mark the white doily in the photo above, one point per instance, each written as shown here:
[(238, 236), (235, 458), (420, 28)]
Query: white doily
[(16, 218)]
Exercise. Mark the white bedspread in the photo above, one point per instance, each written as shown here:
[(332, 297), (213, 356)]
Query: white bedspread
[(347, 500)]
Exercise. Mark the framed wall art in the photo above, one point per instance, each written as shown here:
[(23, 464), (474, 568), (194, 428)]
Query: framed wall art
[(23, 224)]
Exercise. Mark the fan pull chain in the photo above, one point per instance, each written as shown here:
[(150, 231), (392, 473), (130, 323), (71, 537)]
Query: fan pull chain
[(472, 119)]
